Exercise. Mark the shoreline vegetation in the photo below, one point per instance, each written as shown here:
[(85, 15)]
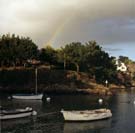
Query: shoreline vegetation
[(74, 68), (22, 80)]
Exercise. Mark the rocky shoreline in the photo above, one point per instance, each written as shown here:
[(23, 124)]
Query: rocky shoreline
[(66, 89)]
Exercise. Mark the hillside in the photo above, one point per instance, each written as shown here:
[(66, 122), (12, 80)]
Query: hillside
[(49, 81)]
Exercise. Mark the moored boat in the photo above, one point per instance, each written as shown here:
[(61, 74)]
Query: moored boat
[(17, 113), (28, 96), (86, 115), (35, 96)]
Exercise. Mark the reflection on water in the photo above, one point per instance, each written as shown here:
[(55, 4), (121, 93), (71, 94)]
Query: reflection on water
[(50, 120), (16, 124), (79, 127)]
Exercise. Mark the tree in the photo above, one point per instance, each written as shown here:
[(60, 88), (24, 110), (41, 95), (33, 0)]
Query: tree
[(125, 59), (73, 54), (48, 54), (15, 50), (98, 63)]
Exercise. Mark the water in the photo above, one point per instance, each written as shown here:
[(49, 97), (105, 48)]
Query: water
[(50, 120)]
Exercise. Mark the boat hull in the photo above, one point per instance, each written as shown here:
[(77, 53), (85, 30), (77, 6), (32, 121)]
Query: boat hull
[(88, 115), (20, 113), (28, 97)]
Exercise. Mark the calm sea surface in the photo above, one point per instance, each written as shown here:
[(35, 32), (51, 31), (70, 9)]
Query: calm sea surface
[(50, 120)]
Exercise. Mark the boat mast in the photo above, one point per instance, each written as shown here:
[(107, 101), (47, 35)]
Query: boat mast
[(36, 80)]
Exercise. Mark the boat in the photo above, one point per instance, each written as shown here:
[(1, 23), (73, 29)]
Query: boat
[(17, 113), (87, 115), (34, 96), (28, 96)]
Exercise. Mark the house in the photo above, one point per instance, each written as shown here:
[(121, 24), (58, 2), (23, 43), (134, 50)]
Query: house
[(121, 66)]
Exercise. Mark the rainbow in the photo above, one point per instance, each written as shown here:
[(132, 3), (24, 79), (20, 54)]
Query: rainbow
[(59, 29)]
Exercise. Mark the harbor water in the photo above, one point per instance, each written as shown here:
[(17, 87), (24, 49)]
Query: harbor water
[(50, 120)]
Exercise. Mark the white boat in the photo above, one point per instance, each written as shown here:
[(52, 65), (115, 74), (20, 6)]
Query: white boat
[(28, 96), (35, 96), (86, 115), (17, 113)]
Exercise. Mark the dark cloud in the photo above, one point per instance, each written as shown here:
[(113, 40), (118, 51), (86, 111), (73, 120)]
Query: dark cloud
[(60, 22)]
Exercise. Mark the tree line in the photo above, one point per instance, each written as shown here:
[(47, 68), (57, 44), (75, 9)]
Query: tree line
[(88, 57), (15, 50)]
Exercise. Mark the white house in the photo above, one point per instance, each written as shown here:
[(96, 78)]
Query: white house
[(121, 66)]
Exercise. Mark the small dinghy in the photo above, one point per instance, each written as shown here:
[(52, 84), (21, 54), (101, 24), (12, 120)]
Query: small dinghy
[(86, 115), (17, 113)]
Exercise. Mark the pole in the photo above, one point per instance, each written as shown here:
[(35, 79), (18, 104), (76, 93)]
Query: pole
[(36, 80), (106, 82), (64, 61)]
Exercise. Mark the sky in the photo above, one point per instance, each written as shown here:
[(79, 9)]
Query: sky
[(58, 22)]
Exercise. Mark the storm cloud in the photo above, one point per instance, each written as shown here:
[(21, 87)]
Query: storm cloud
[(58, 22)]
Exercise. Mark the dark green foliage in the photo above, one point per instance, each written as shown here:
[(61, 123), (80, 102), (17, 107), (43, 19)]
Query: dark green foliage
[(16, 77), (15, 50), (74, 54), (90, 58), (98, 62), (125, 59), (48, 55)]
